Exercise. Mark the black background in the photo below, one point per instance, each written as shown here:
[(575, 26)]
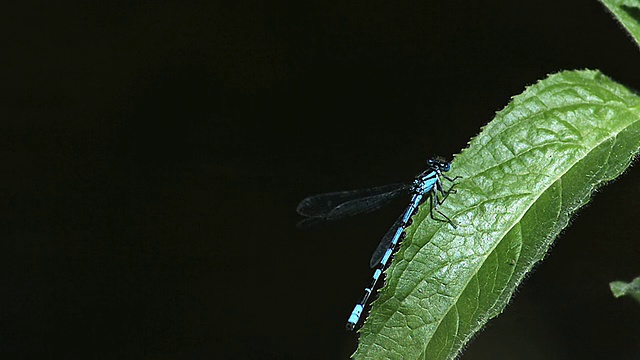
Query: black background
[(153, 154)]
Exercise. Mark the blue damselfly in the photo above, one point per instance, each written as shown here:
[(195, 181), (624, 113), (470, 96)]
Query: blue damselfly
[(341, 204)]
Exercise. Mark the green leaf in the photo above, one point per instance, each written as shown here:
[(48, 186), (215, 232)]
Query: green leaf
[(532, 167), (628, 14), (621, 288)]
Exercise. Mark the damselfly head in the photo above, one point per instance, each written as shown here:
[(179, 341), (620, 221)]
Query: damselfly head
[(438, 163)]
